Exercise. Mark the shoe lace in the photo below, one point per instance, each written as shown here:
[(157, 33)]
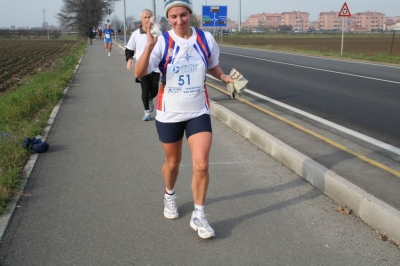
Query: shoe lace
[(204, 222), (170, 202)]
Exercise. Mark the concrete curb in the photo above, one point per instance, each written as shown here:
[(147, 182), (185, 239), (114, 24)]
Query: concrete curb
[(5, 218), (370, 209)]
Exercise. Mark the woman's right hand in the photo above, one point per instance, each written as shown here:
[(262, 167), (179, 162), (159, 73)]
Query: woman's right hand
[(151, 41)]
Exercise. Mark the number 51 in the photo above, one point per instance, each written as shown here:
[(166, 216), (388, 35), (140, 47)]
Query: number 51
[(182, 80)]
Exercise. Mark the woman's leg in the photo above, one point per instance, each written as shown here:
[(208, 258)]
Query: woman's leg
[(200, 145), (170, 169)]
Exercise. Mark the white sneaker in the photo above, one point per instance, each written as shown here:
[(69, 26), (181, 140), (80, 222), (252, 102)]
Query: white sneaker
[(147, 115), (202, 226), (151, 105), (170, 209), (109, 54)]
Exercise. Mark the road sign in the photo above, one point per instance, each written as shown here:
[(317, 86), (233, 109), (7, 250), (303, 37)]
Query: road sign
[(215, 16), (345, 11)]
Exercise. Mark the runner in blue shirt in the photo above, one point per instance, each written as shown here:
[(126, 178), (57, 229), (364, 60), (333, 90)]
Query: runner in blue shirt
[(108, 33)]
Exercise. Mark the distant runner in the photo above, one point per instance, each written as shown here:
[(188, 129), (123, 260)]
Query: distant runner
[(108, 33)]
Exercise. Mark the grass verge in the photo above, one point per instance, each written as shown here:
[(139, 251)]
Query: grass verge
[(24, 113)]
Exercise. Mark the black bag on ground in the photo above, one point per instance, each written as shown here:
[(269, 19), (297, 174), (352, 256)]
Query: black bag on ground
[(35, 145)]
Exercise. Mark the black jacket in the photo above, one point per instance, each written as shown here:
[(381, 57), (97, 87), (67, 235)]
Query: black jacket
[(89, 32)]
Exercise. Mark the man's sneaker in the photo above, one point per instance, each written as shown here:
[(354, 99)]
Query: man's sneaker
[(170, 209), (202, 226), (151, 105), (109, 54), (147, 115)]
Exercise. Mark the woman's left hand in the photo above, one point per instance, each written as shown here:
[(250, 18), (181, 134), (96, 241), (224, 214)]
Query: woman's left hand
[(227, 79)]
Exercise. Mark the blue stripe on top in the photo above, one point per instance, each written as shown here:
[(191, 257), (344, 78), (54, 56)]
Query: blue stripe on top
[(203, 43), (163, 64)]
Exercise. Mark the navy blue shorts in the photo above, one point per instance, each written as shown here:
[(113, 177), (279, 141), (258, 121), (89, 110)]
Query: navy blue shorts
[(173, 132)]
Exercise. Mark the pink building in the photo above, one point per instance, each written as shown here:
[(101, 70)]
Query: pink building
[(298, 20), (263, 21), (372, 21), (332, 21), (359, 22)]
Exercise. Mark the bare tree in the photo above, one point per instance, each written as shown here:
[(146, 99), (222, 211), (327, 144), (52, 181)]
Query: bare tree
[(81, 14), (194, 21), (130, 20), (119, 24)]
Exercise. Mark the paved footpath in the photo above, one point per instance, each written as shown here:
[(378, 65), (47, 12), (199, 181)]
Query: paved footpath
[(96, 197)]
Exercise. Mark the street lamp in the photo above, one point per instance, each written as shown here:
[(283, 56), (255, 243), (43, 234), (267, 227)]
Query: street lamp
[(107, 9)]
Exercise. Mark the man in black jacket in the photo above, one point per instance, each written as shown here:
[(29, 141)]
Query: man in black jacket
[(89, 34)]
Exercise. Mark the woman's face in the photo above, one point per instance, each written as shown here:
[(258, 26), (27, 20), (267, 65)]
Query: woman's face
[(179, 18)]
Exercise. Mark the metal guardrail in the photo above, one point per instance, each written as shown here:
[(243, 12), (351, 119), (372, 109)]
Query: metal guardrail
[(121, 42)]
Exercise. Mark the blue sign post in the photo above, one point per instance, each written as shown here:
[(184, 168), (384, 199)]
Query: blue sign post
[(215, 16)]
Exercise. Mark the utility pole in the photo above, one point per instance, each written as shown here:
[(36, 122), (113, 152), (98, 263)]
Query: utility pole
[(154, 10), (124, 22), (115, 30), (240, 16)]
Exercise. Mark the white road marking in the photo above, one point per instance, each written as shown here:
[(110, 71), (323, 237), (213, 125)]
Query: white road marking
[(323, 58), (313, 68), (221, 163), (353, 133)]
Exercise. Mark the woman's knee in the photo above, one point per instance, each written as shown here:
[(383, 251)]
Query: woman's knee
[(172, 165), (200, 166)]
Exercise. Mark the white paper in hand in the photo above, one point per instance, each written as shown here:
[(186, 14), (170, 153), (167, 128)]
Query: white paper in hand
[(154, 28), (238, 85)]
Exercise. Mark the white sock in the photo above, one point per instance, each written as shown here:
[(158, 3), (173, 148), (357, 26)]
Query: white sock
[(170, 192), (199, 210)]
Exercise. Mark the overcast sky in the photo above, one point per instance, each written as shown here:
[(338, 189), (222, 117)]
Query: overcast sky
[(29, 13)]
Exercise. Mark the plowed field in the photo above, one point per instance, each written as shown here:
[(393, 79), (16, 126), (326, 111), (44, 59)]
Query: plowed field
[(19, 58), (355, 45)]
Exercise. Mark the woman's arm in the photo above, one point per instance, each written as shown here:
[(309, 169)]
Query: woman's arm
[(217, 73)]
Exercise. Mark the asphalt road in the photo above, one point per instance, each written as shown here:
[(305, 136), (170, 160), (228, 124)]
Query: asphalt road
[(95, 198), (362, 97)]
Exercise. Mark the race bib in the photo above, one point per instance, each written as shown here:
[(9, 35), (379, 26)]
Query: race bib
[(108, 36), (184, 90)]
